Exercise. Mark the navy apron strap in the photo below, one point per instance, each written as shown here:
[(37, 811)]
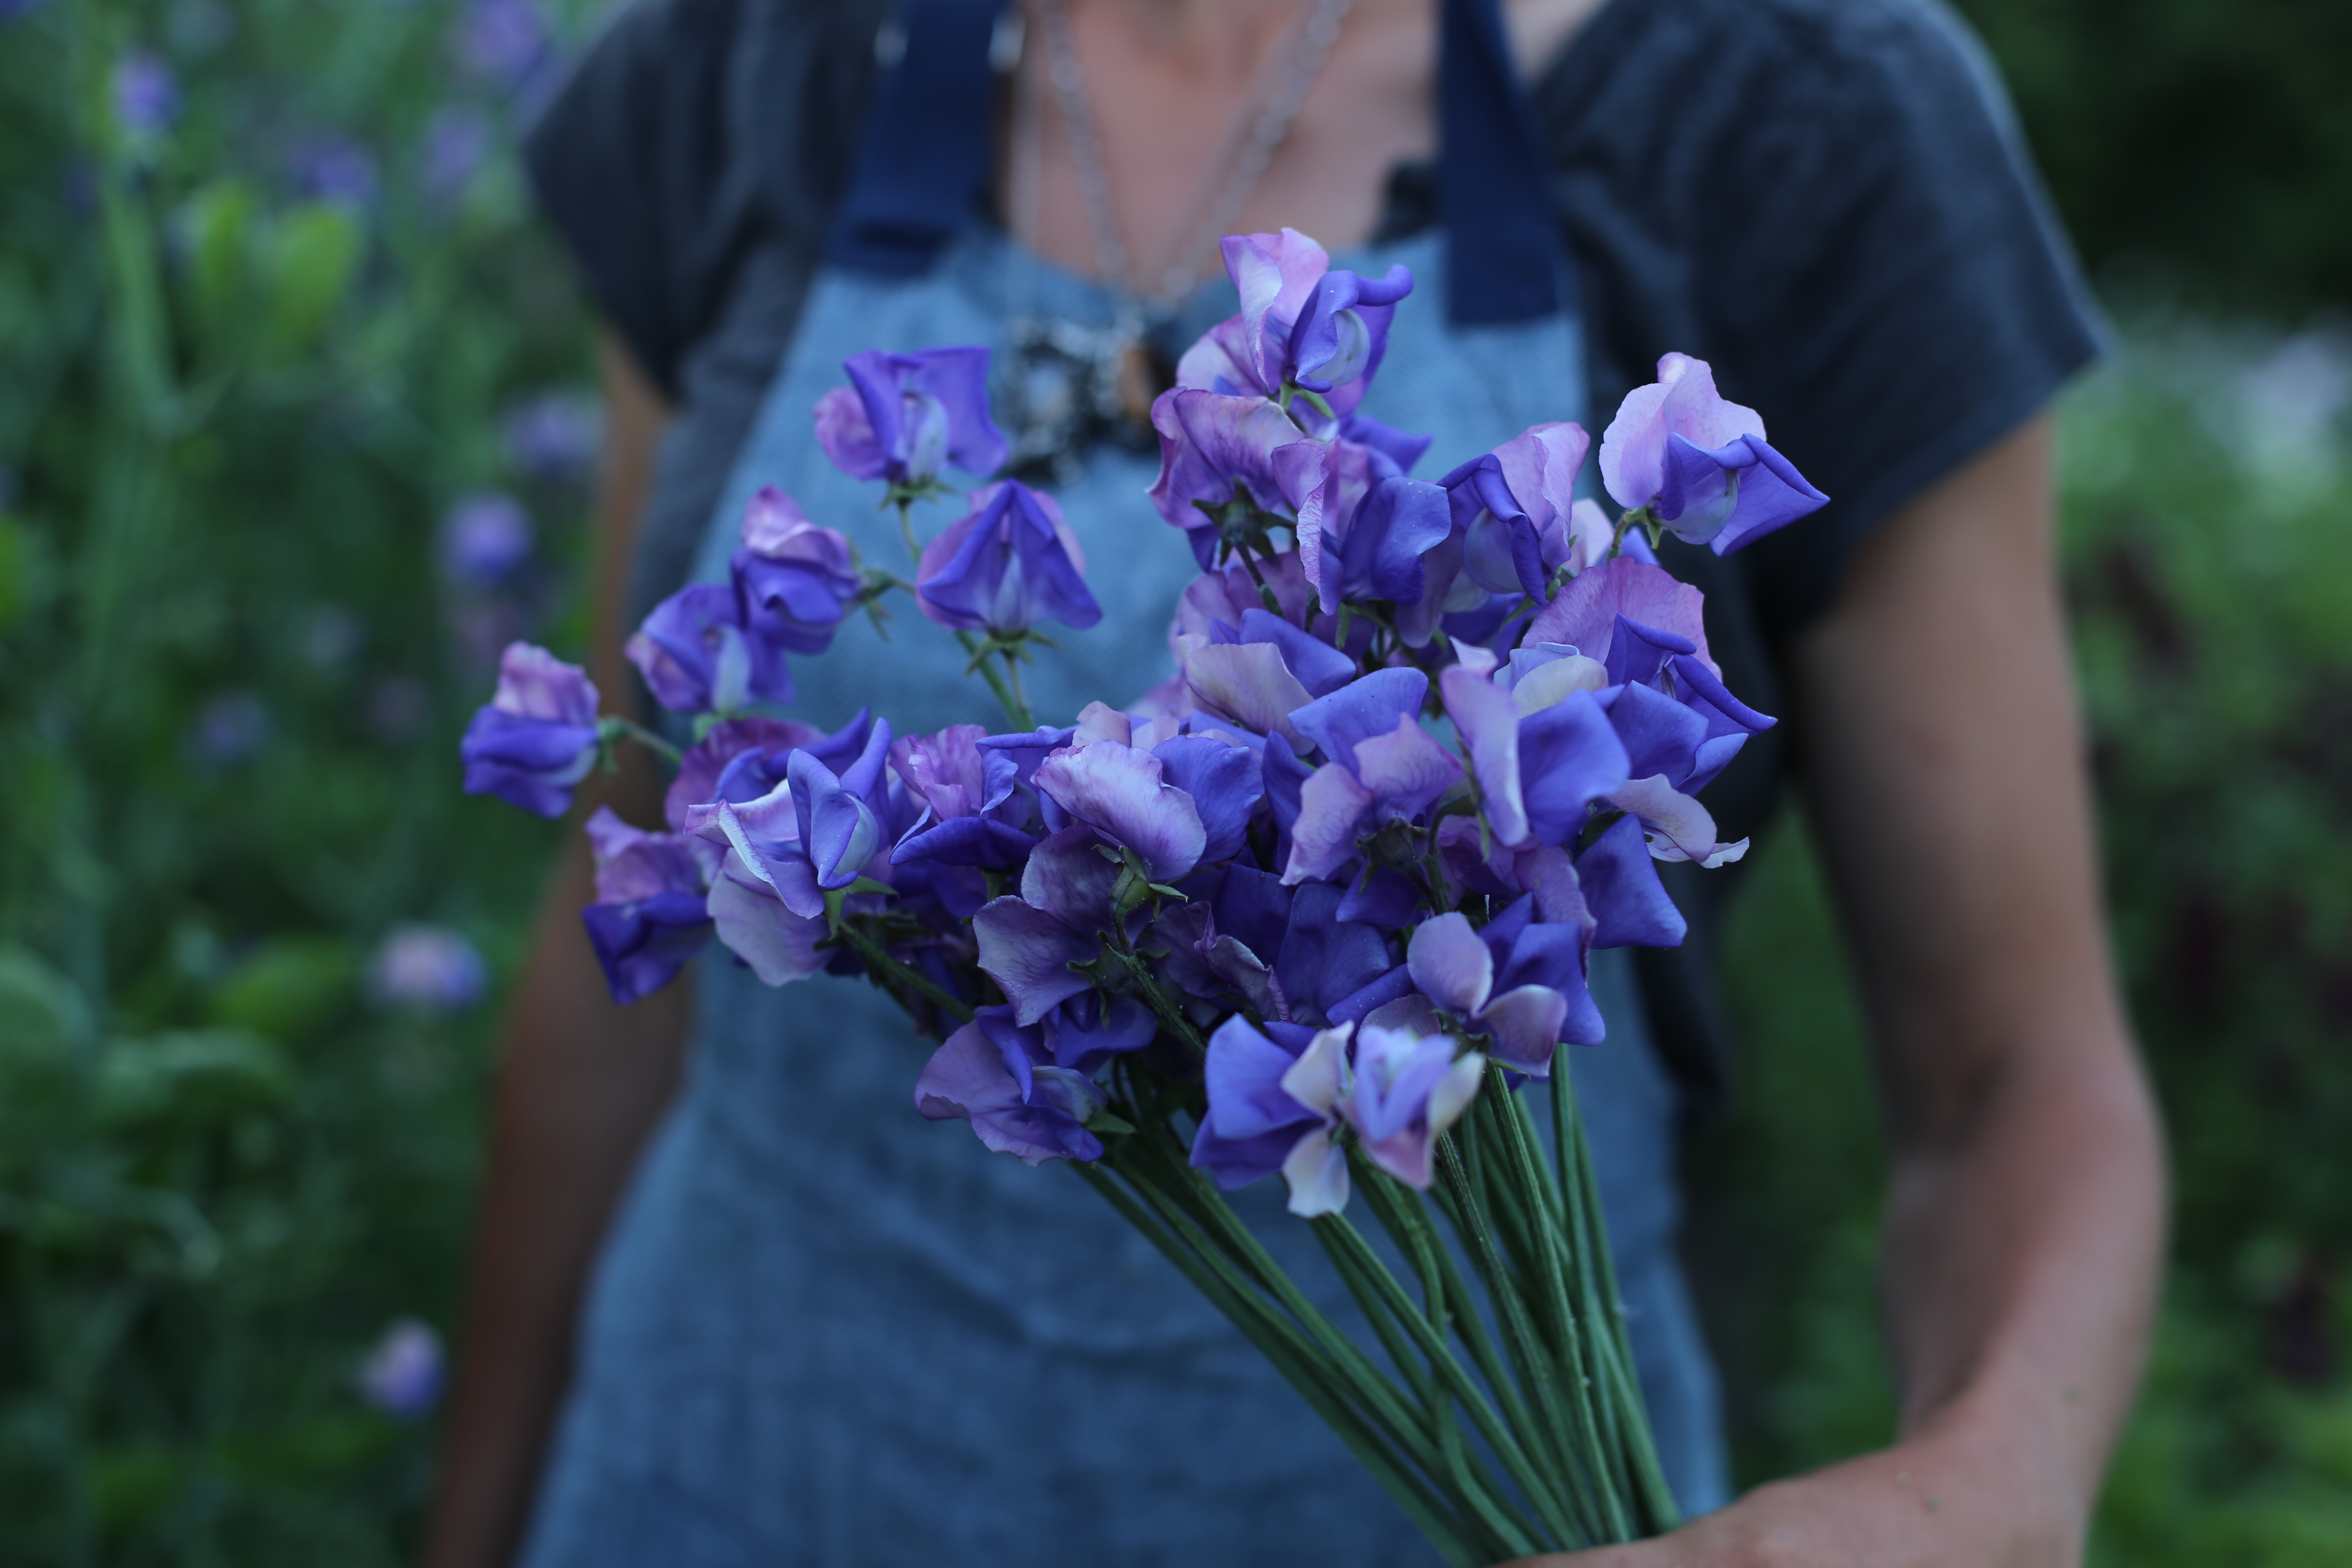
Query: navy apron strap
[(1502, 249), (928, 138)]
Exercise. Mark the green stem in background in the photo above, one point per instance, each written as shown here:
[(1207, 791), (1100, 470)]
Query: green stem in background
[(613, 728), (1017, 706), (907, 529)]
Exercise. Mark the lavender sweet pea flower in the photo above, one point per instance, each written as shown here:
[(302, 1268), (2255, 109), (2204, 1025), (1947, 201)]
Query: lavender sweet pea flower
[(1332, 969), (1677, 827), (1537, 773), (536, 739), (484, 539), (999, 1076), (1400, 1089), (428, 967), (1700, 462), (711, 758), (402, 1374), (947, 774), (650, 917), (1508, 501), (1005, 564), (1121, 793), (778, 943), (146, 95), (1255, 1126), (1455, 970), (1210, 442), (792, 579), (1300, 324), (697, 657), (816, 832), (904, 416), (1028, 943), (1384, 767), (1584, 615)]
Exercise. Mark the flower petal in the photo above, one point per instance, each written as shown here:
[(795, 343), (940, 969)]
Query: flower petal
[(1450, 965)]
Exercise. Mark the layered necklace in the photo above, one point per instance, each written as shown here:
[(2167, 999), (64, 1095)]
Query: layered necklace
[(1070, 385)]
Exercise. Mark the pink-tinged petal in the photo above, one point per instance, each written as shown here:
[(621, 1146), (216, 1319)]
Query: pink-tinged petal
[(1249, 684), (1585, 614), (944, 769), (1332, 809), (1526, 1023), (1583, 543), (1450, 965), (535, 684), (967, 1079), (764, 835), (1682, 402), (1540, 465), (1068, 878), (1122, 791), (1275, 274), (632, 864), (846, 435), (755, 926), (1319, 1077), (1411, 1013), (1219, 361), (1207, 441), (1317, 1173), (1680, 829), (1406, 769), (1101, 721), (1472, 657), (1029, 952), (1487, 720)]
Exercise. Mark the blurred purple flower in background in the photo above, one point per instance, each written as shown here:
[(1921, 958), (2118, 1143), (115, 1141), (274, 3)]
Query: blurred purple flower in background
[(457, 141), (402, 1375), (503, 41), (903, 418), (229, 729), (552, 435), (427, 967), (536, 739), (484, 539), (146, 94), (336, 169)]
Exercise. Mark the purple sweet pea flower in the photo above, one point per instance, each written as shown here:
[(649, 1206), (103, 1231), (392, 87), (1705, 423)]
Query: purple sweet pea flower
[(1537, 773), (649, 919), (457, 144), (1508, 500), (1122, 794), (1584, 615), (794, 580), (536, 739), (1028, 943), (1007, 562), (338, 170), (1001, 1077), (709, 759), (503, 41), (1393, 547), (1677, 827), (402, 1374), (552, 435), (1455, 970), (1254, 1125), (1700, 462), (751, 922), (1382, 767), (903, 418), (1210, 442), (1397, 1087), (1330, 968), (697, 655), (1300, 324), (486, 539), (815, 833), (947, 774)]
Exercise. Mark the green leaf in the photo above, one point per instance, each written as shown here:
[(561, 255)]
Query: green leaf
[(313, 255), (189, 1077)]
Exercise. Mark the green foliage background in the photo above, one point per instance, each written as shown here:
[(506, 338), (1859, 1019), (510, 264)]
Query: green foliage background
[(233, 410)]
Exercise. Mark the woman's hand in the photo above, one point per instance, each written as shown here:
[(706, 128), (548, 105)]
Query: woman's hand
[(2024, 1222)]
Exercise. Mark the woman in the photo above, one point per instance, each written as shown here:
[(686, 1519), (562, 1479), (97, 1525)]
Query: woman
[(820, 1331)]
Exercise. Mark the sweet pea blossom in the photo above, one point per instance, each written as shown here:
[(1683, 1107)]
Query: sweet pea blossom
[(1397, 1088), (1514, 506), (1255, 1126), (793, 581), (1301, 324), (904, 416), (1006, 563), (1457, 971), (1026, 1087), (650, 917), (1700, 462), (1383, 768), (815, 833), (536, 739), (1028, 943), (403, 1371), (1214, 446)]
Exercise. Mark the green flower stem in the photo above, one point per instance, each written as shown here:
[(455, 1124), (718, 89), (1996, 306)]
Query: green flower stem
[(1014, 710), (1529, 1477), (1280, 1342), (616, 728), (874, 953), (1017, 705)]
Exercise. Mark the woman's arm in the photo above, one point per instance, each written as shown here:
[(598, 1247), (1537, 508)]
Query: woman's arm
[(2025, 1225), (580, 1085)]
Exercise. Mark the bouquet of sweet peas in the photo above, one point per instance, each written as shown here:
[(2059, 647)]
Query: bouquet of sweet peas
[(1322, 904)]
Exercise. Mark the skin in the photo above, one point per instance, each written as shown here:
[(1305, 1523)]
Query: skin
[(2026, 1219)]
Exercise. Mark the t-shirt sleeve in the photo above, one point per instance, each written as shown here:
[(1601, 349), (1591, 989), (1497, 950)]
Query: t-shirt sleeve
[(630, 162), (1876, 269)]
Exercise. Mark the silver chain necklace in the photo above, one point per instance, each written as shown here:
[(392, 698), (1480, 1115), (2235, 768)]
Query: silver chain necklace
[(1068, 384)]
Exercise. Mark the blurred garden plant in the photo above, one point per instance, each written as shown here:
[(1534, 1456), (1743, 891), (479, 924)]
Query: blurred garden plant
[(290, 419)]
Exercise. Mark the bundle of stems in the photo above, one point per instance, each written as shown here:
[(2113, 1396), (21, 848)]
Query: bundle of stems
[(1508, 1421)]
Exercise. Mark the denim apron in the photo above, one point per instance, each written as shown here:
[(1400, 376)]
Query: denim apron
[(825, 1330)]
